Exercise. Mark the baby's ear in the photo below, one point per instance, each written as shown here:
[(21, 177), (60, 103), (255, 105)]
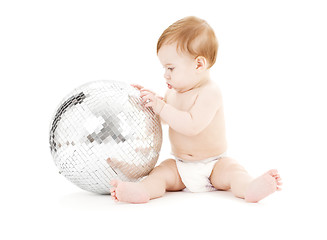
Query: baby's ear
[(201, 63)]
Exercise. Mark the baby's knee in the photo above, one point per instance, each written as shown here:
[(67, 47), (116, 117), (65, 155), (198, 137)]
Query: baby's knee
[(236, 167), (173, 179), (168, 163), (165, 168), (230, 164)]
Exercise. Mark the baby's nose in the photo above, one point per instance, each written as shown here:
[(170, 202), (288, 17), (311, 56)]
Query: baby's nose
[(167, 76)]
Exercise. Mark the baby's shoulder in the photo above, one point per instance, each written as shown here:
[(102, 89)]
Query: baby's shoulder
[(210, 89)]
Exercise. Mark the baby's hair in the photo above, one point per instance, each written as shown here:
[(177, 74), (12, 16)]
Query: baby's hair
[(192, 35)]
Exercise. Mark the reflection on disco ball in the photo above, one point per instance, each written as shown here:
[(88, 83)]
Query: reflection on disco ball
[(101, 120)]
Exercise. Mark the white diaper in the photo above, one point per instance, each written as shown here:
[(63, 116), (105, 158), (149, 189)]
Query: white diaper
[(195, 174)]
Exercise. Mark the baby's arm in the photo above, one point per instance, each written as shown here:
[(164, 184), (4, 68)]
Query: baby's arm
[(198, 118), (165, 100), (191, 122)]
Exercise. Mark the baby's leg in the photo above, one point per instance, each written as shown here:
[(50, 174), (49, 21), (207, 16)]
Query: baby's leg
[(164, 177), (228, 174)]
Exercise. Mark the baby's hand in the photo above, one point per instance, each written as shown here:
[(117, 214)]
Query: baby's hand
[(152, 100)]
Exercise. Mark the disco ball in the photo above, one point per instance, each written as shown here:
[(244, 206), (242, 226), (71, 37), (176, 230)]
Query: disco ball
[(104, 120)]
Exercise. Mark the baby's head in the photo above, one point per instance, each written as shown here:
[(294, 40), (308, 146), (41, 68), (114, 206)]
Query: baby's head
[(192, 36), (187, 49)]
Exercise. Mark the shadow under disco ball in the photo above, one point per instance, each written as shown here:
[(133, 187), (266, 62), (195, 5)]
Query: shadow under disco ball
[(101, 120)]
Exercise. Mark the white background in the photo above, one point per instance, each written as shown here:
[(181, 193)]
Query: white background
[(271, 68)]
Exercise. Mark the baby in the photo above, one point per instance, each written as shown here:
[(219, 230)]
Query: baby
[(193, 109)]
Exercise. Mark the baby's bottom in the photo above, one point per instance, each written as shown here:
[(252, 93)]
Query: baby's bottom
[(195, 174), (227, 174)]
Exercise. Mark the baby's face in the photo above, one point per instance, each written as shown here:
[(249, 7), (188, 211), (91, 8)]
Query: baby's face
[(180, 68)]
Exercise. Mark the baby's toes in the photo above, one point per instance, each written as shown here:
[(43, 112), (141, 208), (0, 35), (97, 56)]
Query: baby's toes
[(113, 192), (276, 175), (279, 183), (113, 196), (273, 172), (278, 178)]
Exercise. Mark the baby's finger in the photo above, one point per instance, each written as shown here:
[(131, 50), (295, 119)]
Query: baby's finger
[(149, 104), (139, 87), (146, 100), (146, 90), (147, 96)]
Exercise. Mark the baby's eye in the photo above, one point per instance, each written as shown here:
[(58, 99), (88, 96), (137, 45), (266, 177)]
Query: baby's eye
[(171, 69)]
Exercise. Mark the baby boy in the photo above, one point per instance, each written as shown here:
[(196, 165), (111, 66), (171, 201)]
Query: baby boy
[(193, 109)]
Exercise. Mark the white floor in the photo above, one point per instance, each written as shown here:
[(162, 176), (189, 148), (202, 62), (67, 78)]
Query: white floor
[(271, 68), (49, 207)]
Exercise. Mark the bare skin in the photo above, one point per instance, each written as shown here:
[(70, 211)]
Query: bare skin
[(193, 109)]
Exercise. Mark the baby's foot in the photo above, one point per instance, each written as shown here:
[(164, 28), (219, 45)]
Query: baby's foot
[(128, 192), (263, 186)]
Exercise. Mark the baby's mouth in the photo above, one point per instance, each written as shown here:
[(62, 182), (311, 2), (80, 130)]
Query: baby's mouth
[(169, 86)]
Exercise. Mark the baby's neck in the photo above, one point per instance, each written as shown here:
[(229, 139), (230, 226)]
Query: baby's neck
[(204, 79), (199, 82)]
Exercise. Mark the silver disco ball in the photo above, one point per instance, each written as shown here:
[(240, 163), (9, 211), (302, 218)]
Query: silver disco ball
[(102, 131)]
